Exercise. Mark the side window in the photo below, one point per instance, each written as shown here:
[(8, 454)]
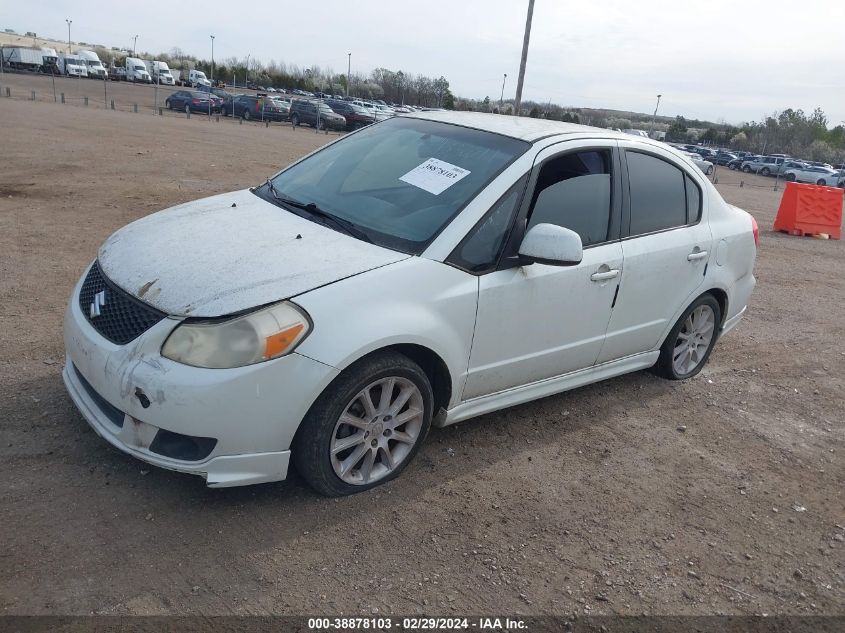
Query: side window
[(480, 250), (573, 191), (693, 200), (657, 193)]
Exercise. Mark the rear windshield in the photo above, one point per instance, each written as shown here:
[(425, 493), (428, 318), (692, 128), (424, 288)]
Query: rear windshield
[(399, 182)]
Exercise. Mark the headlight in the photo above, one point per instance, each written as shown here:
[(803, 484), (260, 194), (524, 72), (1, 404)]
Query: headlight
[(244, 340)]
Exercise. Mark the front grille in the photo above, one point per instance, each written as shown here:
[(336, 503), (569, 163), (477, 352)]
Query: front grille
[(122, 318)]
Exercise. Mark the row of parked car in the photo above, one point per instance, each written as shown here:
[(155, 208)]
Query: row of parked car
[(319, 111), (780, 165)]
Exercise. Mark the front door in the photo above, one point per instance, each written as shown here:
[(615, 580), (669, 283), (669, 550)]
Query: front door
[(538, 321)]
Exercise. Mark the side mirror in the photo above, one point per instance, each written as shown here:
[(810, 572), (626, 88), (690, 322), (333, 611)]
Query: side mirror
[(551, 244)]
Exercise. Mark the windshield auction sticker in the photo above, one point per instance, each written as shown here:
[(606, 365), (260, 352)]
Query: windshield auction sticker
[(435, 176)]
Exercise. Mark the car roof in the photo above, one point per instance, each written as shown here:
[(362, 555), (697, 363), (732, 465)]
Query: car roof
[(523, 128)]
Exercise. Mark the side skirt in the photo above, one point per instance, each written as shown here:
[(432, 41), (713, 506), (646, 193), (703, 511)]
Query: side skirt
[(550, 386)]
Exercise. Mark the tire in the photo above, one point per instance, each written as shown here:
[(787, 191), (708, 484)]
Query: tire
[(746, 170), (821, 181), (321, 125), (187, 108), (709, 171), (294, 120), (245, 115), (320, 438), (765, 172), (732, 167), (167, 104), (790, 177), (689, 363)]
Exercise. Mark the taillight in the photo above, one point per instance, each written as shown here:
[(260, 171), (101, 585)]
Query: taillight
[(257, 106), (195, 101), (756, 230)]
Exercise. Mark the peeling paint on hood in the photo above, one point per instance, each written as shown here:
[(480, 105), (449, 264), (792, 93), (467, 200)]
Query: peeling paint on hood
[(231, 252)]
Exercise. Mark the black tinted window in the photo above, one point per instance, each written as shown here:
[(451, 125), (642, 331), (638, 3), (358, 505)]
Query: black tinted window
[(657, 193), (693, 201), (573, 191), (479, 252)]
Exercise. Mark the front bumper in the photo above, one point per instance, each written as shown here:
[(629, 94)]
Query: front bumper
[(139, 401)]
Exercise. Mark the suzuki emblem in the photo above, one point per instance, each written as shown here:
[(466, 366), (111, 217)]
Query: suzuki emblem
[(98, 302)]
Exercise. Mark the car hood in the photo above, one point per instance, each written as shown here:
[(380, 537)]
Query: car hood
[(229, 253)]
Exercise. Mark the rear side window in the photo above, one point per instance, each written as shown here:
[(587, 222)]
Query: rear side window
[(658, 194), (693, 200), (573, 191)]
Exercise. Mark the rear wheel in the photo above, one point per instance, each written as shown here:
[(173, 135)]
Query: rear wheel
[(790, 177), (294, 120), (687, 348), (746, 169), (187, 109), (366, 426), (245, 115), (765, 171), (821, 181), (709, 170), (167, 104)]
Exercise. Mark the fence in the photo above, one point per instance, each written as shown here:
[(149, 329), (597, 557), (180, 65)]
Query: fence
[(62, 96)]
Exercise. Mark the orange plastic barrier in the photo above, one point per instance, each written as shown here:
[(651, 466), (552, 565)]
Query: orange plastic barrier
[(810, 210)]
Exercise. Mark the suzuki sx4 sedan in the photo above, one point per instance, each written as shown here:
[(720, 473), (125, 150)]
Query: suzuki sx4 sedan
[(424, 270)]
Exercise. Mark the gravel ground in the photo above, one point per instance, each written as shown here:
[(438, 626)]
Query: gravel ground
[(722, 494)]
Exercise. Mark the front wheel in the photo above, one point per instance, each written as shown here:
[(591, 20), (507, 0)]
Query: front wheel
[(187, 109), (821, 181), (168, 105), (746, 169), (765, 171), (294, 120), (687, 348), (709, 170), (790, 177), (366, 427), (246, 115)]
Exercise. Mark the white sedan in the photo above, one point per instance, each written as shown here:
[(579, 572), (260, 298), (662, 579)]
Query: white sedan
[(424, 270), (704, 165), (824, 176)]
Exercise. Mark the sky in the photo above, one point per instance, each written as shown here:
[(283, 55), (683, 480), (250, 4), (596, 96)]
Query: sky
[(718, 60)]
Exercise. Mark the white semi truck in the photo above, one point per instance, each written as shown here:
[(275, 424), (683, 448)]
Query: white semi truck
[(136, 70), (73, 66), (96, 70), (160, 72)]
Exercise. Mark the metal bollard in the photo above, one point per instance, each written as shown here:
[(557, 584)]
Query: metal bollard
[(217, 118), (33, 95), (63, 97), (8, 92), (266, 123), (86, 101), (112, 104), (240, 121), (135, 108), (187, 114), (161, 111)]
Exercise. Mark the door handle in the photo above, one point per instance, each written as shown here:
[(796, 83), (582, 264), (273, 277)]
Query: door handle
[(604, 276), (696, 255)]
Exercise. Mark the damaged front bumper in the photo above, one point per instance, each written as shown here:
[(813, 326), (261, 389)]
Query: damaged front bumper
[(231, 426)]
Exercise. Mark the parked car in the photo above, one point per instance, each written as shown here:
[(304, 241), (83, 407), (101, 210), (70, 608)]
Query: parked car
[(723, 158), (259, 107), (355, 116), (816, 175), (192, 101), (234, 336), (315, 114), (736, 163), (704, 165), (764, 165)]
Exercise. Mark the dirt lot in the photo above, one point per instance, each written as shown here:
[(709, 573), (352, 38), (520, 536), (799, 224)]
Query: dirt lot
[(592, 501)]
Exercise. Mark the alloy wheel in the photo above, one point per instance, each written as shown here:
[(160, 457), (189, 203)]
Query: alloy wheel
[(693, 340), (377, 430)]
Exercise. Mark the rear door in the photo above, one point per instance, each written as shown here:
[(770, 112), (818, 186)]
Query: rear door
[(666, 247)]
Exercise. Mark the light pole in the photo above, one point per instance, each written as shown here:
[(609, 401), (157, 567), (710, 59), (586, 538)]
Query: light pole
[(212, 59), (348, 73), (134, 42), (247, 70), (524, 59), (502, 98), (69, 22), (654, 116)]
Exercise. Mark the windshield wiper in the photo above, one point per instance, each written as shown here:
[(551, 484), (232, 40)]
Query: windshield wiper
[(350, 228)]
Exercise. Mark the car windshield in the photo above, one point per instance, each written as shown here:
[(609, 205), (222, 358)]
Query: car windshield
[(399, 182)]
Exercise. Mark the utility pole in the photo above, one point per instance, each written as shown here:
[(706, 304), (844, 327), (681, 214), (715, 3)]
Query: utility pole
[(522, 62), (654, 116), (134, 42), (348, 73), (69, 22), (502, 98), (247, 70), (212, 59)]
